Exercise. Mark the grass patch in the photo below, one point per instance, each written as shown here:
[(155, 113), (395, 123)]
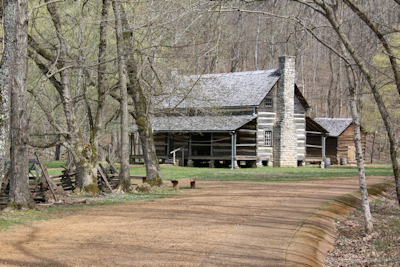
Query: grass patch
[(56, 164), (8, 219), (14, 218), (264, 174), (157, 193)]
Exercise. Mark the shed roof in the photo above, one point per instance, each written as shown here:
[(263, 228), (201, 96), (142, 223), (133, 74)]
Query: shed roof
[(335, 126), (313, 126), (200, 123), (235, 89)]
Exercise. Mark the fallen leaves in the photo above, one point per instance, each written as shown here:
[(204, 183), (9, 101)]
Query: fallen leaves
[(381, 248)]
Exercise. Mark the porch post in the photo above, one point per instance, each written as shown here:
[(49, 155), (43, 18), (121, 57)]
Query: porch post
[(190, 146), (183, 156), (323, 141), (167, 152), (232, 133), (211, 148)]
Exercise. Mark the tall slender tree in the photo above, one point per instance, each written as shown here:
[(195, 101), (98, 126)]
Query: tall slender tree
[(390, 128), (7, 67), (20, 195), (142, 107), (124, 180)]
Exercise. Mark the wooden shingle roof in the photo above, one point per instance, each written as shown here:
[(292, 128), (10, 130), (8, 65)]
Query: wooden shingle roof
[(335, 126), (200, 123), (235, 89), (313, 126)]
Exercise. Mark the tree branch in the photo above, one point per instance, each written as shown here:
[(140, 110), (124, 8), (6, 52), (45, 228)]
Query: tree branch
[(45, 70), (40, 50), (381, 38), (296, 19), (49, 115)]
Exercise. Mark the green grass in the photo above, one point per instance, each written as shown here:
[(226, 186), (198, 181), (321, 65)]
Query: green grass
[(264, 174), (9, 219), (53, 167), (55, 164)]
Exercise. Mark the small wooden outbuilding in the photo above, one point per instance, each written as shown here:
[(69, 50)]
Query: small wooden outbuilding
[(340, 140)]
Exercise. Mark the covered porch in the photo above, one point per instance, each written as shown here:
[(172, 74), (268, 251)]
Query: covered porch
[(315, 142), (214, 141)]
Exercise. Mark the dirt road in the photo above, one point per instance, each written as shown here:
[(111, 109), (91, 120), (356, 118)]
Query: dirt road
[(218, 224)]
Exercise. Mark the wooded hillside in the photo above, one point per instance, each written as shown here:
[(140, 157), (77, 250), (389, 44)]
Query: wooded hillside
[(73, 48)]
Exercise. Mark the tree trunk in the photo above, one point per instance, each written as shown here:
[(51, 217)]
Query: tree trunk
[(114, 145), (346, 49), (369, 227), (57, 153), (330, 107), (6, 76), (153, 171), (331, 16), (97, 124), (20, 195), (372, 148), (394, 155), (142, 110), (124, 179), (84, 157), (390, 128)]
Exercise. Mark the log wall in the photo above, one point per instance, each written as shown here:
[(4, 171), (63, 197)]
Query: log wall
[(266, 117), (300, 121), (346, 147)]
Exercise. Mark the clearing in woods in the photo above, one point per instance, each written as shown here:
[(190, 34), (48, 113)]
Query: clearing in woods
[(217, 224)]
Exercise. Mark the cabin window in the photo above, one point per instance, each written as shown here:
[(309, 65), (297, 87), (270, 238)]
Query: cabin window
[(268, 138), (268, 102)]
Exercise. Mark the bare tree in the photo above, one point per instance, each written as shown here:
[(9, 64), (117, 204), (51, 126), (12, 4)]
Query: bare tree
[(85, 156), (20, 195), (142, 107), (330, 15), (7, 67), (124, 180), (395, 157), (355, 111)]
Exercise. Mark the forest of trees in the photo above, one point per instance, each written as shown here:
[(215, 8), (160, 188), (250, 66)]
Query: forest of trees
[(73, 73)]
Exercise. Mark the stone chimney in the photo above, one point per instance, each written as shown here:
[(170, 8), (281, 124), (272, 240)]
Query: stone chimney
[(285, 133)]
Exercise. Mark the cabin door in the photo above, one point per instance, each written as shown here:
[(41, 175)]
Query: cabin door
[(351, 153)]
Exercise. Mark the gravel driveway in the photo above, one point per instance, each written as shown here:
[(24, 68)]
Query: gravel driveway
[(217, 224)]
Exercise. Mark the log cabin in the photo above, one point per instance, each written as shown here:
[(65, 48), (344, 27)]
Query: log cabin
[(249, 118), (339, 141)]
